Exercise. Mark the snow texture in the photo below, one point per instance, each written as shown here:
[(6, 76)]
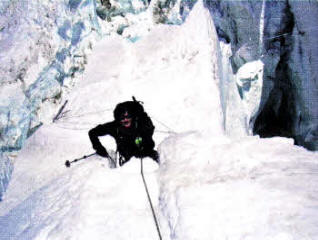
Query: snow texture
[(208, 185)]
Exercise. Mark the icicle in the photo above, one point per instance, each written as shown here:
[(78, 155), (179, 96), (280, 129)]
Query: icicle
[(261, 28)]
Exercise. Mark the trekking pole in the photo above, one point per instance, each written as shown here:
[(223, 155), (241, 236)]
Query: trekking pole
[(68, 163), (149, 200)]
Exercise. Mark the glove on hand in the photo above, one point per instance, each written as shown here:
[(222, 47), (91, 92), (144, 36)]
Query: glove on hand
[(101, 151)]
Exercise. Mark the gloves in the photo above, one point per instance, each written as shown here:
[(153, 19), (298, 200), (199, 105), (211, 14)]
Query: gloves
[(101, 151)]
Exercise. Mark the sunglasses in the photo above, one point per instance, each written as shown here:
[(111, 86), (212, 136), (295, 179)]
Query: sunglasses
[(125, 116)]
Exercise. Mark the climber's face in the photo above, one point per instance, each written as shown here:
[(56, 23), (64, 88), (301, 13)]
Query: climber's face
[(126, 120)]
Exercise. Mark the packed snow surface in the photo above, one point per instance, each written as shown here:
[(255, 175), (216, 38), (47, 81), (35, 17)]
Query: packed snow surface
[(208, 186)]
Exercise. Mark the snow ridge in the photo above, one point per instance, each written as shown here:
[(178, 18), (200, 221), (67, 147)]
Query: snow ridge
[(208, 186)]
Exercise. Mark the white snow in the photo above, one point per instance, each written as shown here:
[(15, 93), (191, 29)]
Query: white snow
[(208, 186)]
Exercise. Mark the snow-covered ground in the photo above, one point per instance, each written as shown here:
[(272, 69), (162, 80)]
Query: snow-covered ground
[(208, 186)]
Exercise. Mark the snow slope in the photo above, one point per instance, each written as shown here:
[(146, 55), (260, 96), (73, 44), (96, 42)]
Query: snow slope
[(249, 189), (208, 186), (88, 200)]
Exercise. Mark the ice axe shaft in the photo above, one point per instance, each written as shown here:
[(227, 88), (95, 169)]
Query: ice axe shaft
[(68, 163)]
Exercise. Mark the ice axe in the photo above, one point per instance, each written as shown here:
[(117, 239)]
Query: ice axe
[(68, 163)]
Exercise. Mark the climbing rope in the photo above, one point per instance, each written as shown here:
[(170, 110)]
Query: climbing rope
[(149, 200), (169, 129), (86, 114)]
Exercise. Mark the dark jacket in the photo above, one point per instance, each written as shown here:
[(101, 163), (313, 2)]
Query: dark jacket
[(125, 137)]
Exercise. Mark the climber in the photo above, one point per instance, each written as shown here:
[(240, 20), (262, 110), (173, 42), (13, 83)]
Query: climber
[(132, 130)]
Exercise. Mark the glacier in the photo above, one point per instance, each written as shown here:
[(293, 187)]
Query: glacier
[(281, 34), (207, 183), (38, 41)]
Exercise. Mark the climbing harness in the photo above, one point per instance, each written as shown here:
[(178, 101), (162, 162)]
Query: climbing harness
[(149, 199)]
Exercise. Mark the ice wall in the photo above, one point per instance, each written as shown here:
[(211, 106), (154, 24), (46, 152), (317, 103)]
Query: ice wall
[(240, 94), (43, 45), (282, 35), (5, 172)]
